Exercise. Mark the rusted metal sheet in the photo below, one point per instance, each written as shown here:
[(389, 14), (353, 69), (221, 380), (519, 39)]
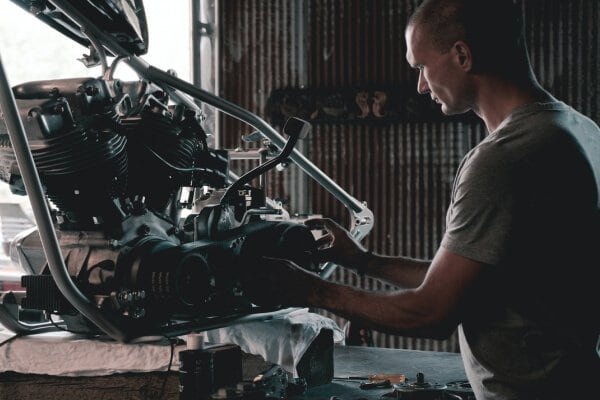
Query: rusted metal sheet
[(403, 170)]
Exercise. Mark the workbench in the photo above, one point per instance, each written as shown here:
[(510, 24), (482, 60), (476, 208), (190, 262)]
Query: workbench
[(349, 361)]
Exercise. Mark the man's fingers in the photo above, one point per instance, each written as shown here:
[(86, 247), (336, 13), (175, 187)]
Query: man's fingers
[(279, 264), (315, 223), (324, 240), (320, 223), (325, 224), (324, 255)]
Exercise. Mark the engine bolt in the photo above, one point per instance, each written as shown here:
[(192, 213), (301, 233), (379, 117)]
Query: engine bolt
[(143, 230), (91, 90)]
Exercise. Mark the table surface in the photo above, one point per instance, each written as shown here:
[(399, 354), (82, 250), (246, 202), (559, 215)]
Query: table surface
[(349, 361)]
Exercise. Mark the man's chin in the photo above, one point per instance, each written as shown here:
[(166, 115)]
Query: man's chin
[(446, 111), (449, 111)]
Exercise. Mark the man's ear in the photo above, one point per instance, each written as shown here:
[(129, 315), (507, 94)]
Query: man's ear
[(463, 54)]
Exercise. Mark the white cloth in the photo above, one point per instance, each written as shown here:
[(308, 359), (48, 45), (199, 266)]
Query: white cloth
[(282, 340), (66, 354)]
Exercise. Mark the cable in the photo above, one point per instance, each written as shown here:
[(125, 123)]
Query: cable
[(179, 169), (10, 339), (172, 342), (58, 327)]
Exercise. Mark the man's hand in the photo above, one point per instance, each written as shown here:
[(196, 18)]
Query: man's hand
[(275, 282), (338, 245)]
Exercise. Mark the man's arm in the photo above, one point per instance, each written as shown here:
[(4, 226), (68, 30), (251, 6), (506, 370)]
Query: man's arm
[(403, 272), (338, 246), (432, 309)]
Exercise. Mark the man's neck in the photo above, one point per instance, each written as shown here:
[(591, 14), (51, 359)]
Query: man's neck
[(497, 99)]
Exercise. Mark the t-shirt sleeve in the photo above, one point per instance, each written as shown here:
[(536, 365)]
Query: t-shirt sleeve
[(481, 214)]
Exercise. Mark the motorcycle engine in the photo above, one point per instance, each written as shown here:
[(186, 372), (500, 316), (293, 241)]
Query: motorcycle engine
[(119, 162)]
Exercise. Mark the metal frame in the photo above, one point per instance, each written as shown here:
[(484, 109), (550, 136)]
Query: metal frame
[(362, 216)]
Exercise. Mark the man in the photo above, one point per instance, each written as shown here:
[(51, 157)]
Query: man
[(518, 268)]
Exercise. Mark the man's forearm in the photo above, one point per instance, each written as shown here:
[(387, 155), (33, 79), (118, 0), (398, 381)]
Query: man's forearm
[(403, 272), (396, 312)]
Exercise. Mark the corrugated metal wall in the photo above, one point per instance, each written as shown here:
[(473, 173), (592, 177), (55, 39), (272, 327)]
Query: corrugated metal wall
[(263, 47), (403, 170)]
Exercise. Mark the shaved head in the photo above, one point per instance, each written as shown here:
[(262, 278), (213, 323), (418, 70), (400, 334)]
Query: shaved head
[(492, 29)]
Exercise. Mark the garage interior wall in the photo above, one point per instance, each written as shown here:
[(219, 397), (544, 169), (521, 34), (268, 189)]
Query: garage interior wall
[(313, 59)]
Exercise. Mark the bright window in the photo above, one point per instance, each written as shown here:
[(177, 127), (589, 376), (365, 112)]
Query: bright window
[(30, 50)]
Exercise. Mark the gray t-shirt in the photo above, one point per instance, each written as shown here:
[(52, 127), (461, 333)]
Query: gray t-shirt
[(526, 203)]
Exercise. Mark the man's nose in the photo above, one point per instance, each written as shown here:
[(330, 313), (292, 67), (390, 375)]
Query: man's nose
[(422, 86)]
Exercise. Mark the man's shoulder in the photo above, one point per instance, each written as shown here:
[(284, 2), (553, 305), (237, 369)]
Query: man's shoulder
[(544, 122), (538, 129)]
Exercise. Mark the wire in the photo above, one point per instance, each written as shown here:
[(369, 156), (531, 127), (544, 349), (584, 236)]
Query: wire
[(178, 169), (10, 339), (60, 328), (172, 342)]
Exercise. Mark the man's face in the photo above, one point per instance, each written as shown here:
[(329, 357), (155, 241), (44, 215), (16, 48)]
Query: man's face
[(440, 74)]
